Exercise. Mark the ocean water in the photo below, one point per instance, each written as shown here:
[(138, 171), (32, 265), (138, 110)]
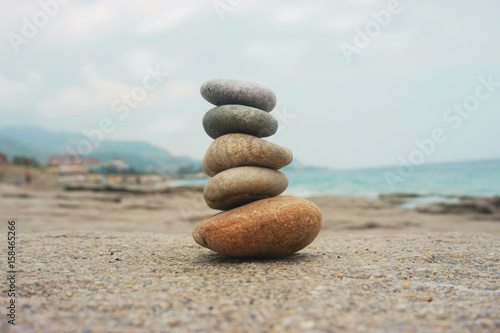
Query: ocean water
[(479, 178)]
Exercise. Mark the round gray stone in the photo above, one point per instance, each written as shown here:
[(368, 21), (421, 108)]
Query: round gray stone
[(223, 91), (238, 186), (227, 119)]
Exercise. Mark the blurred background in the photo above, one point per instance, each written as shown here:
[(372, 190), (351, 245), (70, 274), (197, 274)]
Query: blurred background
[(390, 107), (373, 96)]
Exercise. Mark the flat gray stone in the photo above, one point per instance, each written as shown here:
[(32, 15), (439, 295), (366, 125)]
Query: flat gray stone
[(238, 186), (235, 149), (227, 119), (224, 91)]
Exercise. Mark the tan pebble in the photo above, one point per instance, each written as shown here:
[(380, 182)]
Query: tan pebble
[(235, 149), (174, 322), (238, 186), (271, 227)]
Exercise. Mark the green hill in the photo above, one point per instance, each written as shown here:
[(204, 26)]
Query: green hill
[(42, 144)]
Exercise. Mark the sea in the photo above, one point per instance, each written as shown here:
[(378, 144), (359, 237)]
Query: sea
[(478, 178)]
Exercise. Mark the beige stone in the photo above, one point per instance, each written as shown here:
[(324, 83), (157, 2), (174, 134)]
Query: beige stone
[(271, 227), (238, 186), (233, 150)]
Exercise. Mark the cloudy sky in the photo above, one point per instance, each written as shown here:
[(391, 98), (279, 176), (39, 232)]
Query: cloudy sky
[(358, 82)]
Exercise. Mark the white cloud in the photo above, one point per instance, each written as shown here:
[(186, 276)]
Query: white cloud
[(78, 22), (290, 15), (167, 124), (167, 14), (272, 53), (35, 78), (15, 91), (10, 87), (88, 19), (96, 95), (181, 89), (343, 22), (137, 59), (81, 21)]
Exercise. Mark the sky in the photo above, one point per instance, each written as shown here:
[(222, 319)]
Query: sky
[(359, 83)]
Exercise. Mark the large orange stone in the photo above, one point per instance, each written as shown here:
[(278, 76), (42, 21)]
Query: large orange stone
[(267, 228)]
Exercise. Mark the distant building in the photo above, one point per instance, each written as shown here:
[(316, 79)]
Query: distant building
[(92, 163), (3, 158), (66, 165), (68, 160), (119, 164), (92, 160), (55, 161)]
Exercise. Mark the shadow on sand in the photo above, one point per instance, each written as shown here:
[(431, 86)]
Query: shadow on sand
[(294, 259)]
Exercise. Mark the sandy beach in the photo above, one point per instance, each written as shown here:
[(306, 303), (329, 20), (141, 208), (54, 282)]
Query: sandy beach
[(250, 166), (114, 261), (177, 210)]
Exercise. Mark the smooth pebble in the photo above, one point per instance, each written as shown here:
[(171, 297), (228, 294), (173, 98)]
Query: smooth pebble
[(227, 119), (238, 186), (233, 150), (267, 228), (224, 91)]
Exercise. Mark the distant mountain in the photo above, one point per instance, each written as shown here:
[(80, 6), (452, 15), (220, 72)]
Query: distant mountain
[(42, 144)]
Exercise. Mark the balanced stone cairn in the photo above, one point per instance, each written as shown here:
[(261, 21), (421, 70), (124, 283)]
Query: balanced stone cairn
[(256, 222)]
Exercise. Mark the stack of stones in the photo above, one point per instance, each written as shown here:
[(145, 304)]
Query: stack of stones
[(246, 183)]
